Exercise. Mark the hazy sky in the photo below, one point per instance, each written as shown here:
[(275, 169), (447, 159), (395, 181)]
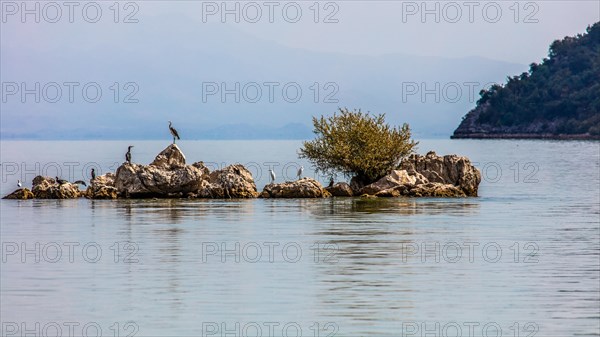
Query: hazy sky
[(169, 50), (502, 30)]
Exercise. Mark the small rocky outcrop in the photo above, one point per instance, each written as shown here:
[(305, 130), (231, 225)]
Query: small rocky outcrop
[(166, 176), (303, 188), (428, 176), (340, 190), (48, 188), (394, 179), (102, 187), (422, 190), (169, 176), (234, 181), (20, 194), (449, 169), (200, 165), (170, 158), (435, 190)]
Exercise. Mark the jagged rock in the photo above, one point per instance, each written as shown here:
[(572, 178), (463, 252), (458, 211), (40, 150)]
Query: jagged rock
[(390, 193), (209, 191), (167, 176), (40, 179), (449, 169), (340, 190), (102, 187), (170, 158), (47, 188), (419, 178), (21, 194), (395, 178), (200, 165), (133, 180), (104, 180), (435, 190), (234, 181), (422, 190), (102, 192), (303, 188), (428, 176)]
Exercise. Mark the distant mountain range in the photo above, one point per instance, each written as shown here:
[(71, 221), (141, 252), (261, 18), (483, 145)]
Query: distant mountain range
[(172, 67), (558, 99)]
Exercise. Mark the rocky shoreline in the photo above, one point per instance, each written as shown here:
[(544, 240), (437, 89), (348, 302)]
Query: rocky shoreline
[(471, 128), (168, 176), (547, 136)]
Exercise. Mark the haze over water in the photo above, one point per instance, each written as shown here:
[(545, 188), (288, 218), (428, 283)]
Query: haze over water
[(522, 257)]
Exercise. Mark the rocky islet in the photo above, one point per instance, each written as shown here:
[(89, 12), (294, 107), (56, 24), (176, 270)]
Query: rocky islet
[(168, 176)]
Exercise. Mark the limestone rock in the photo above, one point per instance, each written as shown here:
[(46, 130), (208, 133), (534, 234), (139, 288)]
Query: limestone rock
[(390, 193), (21, 194), (234, 181), (40, 179), (209, 191), (449, 169), (419, 178), (395, 178), (303, 188), (102, 192), (340, 190), (169, 176), (166, 176), (435, 190), (134, 180), (104, 180), (170, 158), (200, 165), (102, 187), (47, 188), (428, 176)]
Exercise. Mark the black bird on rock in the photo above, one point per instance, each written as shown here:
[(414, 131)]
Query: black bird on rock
[(61, 181), (128, 154), (80, 182), (173, 132), (93, 174)]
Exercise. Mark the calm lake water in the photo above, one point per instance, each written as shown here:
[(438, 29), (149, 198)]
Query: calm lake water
[(523, 259)]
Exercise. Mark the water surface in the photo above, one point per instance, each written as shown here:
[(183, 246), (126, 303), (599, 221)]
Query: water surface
[(522, 257)]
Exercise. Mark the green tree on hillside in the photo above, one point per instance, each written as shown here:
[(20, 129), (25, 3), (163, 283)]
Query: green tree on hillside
[(562, 93)]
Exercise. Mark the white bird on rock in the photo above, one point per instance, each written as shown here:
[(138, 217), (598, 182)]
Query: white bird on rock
[(273, 176)]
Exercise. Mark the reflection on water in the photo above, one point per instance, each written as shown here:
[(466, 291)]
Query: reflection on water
[(341, 207), (368, 266)]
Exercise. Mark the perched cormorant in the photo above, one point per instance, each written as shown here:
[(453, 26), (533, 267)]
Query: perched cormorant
[(273, 176), (173, 132), (61, 181), (19, 183), (128, 154), (330, 182), (93, 174), (300, 170), (80, 182)]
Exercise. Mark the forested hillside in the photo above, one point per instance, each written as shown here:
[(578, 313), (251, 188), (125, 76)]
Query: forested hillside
[(558, 98)]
